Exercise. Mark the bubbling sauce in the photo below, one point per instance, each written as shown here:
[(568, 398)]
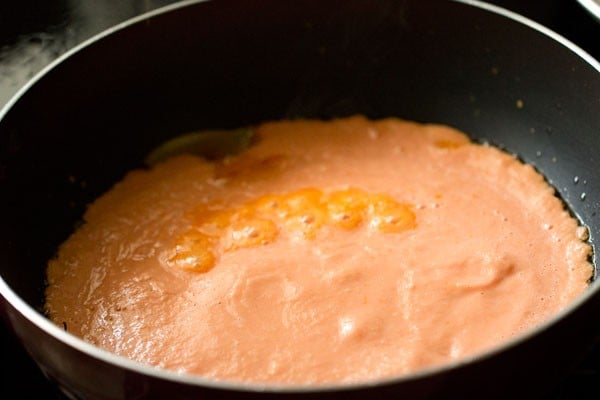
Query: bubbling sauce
[(328, 252), (302, 212)]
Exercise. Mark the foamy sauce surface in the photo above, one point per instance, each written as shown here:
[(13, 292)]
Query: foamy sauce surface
[(330, 251)]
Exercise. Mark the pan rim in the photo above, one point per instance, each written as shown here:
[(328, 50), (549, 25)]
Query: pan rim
[(592, 7), (588, 58)]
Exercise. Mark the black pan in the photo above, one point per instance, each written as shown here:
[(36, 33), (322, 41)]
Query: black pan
[(95, 113)]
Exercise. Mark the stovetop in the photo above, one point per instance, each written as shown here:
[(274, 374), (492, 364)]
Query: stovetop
[(33, 33)]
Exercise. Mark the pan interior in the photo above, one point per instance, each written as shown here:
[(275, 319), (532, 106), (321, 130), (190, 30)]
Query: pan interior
[(96, 115)]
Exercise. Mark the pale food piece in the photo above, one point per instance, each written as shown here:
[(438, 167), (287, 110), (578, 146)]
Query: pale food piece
[(330, 251)]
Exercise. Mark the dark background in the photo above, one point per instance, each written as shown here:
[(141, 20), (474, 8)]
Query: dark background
[(34, 32)]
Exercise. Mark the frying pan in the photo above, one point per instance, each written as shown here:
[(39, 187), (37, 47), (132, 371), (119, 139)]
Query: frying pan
[(95, 113)]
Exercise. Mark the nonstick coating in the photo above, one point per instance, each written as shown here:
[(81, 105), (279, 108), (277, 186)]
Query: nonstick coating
[(230, 63)]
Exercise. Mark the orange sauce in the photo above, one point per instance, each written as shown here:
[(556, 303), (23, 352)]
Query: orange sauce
[(328, 252)]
